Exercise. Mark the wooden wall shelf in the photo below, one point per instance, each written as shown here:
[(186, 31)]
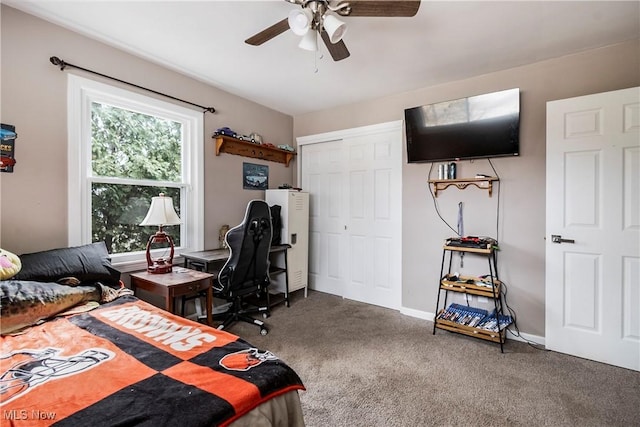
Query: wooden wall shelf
[(482, 183), (227, 144)]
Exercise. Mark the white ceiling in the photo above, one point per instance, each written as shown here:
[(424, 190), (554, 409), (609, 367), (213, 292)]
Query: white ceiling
[(445, 41)]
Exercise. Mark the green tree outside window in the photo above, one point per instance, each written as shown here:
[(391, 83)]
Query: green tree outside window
[(134, 157)]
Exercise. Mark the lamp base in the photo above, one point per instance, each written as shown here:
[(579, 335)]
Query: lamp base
[(160, 266), (159, 269)]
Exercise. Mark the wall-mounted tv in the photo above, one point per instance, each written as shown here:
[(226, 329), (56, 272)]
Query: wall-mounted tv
[(475, 127)]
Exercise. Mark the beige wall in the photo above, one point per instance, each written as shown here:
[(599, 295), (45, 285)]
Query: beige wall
[(33, 199), (522, 195)]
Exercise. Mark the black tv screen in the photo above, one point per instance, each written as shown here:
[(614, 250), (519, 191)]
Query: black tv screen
[(475, 127)]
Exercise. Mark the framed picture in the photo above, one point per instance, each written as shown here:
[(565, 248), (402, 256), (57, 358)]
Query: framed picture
[(255, 177), (7, 147)]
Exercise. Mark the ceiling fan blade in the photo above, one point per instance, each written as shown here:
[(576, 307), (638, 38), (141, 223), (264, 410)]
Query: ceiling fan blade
[(338, 50), (399, 8), (268, 33)]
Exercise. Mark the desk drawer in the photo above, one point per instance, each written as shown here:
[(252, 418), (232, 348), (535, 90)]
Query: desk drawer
[(191, 288)]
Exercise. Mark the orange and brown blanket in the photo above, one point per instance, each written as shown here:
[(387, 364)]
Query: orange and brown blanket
[(130, 363)]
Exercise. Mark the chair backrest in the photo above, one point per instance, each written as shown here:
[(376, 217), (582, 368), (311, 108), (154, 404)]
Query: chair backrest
[(247, 268)]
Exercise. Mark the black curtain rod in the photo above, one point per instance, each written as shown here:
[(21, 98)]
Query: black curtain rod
[(60, 63)]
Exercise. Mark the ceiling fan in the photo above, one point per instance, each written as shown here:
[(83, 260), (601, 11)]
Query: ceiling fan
[(319, 17)]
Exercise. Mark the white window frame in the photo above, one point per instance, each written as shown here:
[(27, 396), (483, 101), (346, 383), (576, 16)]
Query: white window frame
[(81, 93)]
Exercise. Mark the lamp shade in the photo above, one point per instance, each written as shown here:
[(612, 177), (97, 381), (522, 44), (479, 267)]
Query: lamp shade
[(309, 41), (335, 28), (161, 212), (300, 21)]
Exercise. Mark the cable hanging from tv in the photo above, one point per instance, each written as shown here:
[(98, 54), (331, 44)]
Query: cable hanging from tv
[(62, 64)]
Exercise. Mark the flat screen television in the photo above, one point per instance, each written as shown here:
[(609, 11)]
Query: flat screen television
[(481, 126)]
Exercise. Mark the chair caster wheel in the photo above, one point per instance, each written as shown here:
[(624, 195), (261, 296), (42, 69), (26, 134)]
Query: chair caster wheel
[(264, 331)]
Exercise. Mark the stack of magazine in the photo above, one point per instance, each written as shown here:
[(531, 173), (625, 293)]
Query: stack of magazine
[(464, 315), (474, 317)]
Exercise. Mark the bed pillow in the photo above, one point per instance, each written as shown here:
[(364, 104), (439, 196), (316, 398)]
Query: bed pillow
[(25, 303), (88, 263), (10, 264)]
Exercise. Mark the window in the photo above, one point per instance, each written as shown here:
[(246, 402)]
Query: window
[(125, 148)]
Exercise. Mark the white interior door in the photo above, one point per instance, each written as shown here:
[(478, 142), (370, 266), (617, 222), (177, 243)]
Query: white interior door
[(354, 183), (593, 204)]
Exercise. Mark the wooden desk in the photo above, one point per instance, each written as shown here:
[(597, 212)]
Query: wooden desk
[(205, 260), (181, 281)]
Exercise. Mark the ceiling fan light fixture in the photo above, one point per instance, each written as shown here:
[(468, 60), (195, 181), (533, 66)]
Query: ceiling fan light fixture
[(300, 21), (335, 28), (309, 41)]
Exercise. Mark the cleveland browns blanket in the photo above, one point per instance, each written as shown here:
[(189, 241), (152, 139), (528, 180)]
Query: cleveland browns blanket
[(130, 363)]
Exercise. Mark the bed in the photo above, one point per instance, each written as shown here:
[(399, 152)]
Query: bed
[(122, 361)]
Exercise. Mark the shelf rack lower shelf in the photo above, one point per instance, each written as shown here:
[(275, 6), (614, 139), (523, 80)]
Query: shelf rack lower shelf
[(484, 334)]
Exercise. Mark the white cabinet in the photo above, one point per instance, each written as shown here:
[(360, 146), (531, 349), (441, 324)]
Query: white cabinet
[(295, 232)]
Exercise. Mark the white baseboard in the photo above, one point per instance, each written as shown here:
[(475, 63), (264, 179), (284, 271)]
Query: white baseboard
[(425, 315), (524, 337), (417, 313)]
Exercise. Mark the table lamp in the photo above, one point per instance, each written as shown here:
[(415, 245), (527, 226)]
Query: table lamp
[(161, 213)]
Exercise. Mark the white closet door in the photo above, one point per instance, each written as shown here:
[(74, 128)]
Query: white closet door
[(322, 179), (354, 181)]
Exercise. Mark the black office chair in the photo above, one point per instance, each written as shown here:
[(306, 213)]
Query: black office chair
[(246, 272)]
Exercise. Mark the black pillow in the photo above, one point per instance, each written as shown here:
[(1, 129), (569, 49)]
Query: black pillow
[(88, 263)]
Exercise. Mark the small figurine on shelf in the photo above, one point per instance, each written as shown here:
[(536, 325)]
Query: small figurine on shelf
[(286, 147), (452, 170), (289, 187), (256, 138), (245, 138), (226, 132), (221, 235)]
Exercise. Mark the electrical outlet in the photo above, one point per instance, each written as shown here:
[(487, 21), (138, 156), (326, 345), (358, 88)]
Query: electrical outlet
[(483, 300)]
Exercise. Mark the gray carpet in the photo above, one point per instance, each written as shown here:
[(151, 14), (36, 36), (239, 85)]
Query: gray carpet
[(364, 365)]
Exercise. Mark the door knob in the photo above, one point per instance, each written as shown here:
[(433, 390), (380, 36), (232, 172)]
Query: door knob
[(555, 238)]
